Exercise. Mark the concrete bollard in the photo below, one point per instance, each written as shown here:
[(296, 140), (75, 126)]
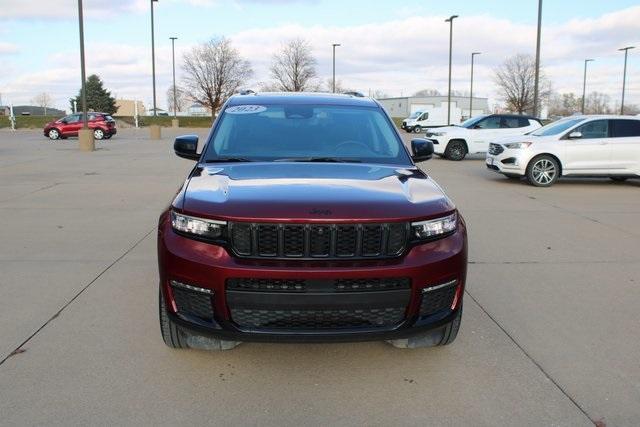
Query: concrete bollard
[(154, 132), (175, 123), (86, 140)]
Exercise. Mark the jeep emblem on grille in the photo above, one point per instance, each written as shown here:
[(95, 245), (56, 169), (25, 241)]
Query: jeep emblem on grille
[(316, 211)]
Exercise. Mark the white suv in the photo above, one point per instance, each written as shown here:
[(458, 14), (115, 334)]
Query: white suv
[(595, 146), (474, 135)]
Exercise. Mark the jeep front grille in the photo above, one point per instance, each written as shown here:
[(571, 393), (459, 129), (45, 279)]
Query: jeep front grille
[(495, 149), (318, 241)]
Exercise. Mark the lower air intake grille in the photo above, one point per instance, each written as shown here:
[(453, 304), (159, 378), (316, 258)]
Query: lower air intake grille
[(193, 304), (318, 319), (438, 299)]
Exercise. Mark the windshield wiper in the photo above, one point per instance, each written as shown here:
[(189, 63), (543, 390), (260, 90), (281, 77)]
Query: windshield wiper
[(317, 160), (228, 160)]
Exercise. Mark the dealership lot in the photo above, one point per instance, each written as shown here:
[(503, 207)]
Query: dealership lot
[(549, 334)]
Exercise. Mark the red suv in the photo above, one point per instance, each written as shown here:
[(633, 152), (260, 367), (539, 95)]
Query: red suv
[(305, 219), (102, 124)]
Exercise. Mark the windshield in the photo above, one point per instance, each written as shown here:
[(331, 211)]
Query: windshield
[(557, 127), (415, 115), (305, 133), (469, 123)]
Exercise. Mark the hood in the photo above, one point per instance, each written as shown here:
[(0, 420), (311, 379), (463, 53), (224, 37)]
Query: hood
[(448, 129), (304, 191)]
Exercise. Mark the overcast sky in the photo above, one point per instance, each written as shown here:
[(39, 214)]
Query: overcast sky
[(398, 47)]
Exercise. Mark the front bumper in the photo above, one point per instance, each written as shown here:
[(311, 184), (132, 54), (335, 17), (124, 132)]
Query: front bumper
[(509, 161), (210, 267)]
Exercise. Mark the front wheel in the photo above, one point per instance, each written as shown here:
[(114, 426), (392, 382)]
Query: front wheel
[(417, 129), (456, 150), (543, 171), (98, 134), (53, 134)]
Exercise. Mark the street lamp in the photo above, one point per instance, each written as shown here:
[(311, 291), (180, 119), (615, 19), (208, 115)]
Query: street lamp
[(450, 21), (471, 91), (584, 82), (85, 136), (173, 55), (537, 73), (624, 75), (153, 61), (334, 65)]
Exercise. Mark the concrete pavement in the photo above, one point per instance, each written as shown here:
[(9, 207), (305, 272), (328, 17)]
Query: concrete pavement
[(547, 337)]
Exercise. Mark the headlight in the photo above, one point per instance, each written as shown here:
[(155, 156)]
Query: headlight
[(199, 227), (425, 230), (517, 145)]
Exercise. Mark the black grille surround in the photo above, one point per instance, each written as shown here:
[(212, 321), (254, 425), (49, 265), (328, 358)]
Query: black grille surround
[(317, 304), (495, 149), (318, 241)]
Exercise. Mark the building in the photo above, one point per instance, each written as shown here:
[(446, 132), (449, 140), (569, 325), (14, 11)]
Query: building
[(198, 109), (405, 106), (127, 107), (33, 110)]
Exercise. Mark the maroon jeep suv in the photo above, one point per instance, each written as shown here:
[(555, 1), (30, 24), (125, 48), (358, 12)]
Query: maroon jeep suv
[(305, 219)]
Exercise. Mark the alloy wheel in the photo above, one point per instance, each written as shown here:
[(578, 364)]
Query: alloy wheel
[(544, 172)]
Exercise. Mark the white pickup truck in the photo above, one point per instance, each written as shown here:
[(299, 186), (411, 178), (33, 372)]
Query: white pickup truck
[(474, 135)]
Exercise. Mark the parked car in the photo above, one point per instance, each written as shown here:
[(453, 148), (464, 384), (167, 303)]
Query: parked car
[(306, 219), (102, 124), (474, 135), (595, 146)]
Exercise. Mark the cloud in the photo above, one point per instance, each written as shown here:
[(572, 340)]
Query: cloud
[(7, 48), (38, 9), (398, 56)]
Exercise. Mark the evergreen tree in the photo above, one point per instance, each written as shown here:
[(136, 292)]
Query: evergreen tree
[(98, 98)]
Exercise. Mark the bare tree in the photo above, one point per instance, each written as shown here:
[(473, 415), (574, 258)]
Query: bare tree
[(515, 80), (427, 92), (564, 104), (180, 101), (340, 88), (294, 68), (597, 103), (213, 72), (42, 100), (379, 94)]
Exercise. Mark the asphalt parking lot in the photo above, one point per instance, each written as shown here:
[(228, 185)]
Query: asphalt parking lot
[(549, 335)]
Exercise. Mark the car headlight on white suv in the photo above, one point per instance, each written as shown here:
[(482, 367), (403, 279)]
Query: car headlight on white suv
[(517, 145), (197, 227), (434, 228)]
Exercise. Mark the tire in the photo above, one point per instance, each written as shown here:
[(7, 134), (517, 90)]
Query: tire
[(442, 336), (53, 134), (456, 150), (618, 178), (171, 334), (98, 134), (543, 171), (417, 129)]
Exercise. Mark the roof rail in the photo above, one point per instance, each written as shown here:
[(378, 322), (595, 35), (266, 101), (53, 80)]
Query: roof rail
[(247, 92), (354, 93)]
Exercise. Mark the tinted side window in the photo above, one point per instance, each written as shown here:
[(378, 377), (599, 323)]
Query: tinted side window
[(74, 118), (425, 116), (492, 122), (510, 122), (523, 123), (594, 129), (625, 128)]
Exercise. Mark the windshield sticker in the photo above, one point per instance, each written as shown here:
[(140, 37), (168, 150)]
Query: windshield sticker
[(246, 109)]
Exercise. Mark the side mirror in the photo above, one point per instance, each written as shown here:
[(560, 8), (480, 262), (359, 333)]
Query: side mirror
[(186, 147), (421, 149), (575, 135)]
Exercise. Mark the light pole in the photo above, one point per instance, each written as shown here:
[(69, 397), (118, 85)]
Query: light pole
[(85, 136), (334, 65), (537, 73), (450, 21), (173, 55), (624, 76), (471, 91), (153, 61), (584, 82)]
